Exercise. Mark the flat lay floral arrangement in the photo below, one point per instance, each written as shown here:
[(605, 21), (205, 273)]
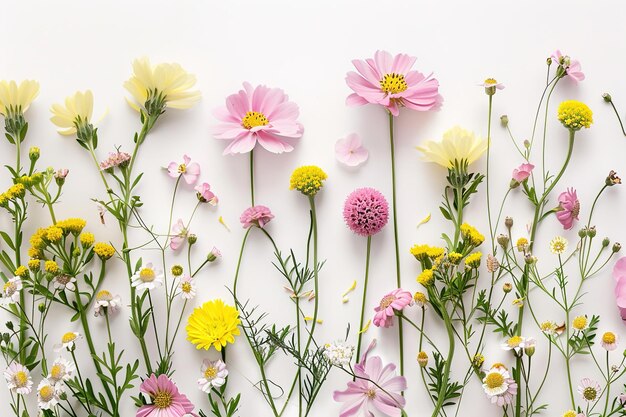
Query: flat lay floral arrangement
[(479, 287)]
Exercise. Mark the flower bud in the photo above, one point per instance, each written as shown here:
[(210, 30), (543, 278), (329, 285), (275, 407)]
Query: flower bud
[(503, 240), (60, 175), (9, 325), (478, 360), (526, 144), (177, 270), (514, 184), (214, 255), (607, 97), (591, 232), (34, 153), (549, 61), (507, 287), (41, 307), (582, 233), (530, 259), (504, 120), (508, 222), (422, 359), (605, 242), (612, 179), (529, 350), (617, 247), (192, 239)]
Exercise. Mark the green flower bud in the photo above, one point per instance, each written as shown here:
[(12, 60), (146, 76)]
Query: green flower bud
[(192, 239), (607, 97), (34, 153), (177, 270), (616, 247)]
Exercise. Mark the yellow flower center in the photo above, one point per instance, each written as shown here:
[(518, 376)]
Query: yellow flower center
[(494, 380), (580, 322), (9, 288), (371, 393), (386, 301), (182, 168), (46, 393), (104, 295), (21, 378), (420, 297), (254, 119), (147, 274), (162, 399), (608, 338), (186, 287), (570, 413), (210, 373), (514, 341), (498, 365), (490, 82), (57, 371), (393, 83), (590, 394), (68, 337)]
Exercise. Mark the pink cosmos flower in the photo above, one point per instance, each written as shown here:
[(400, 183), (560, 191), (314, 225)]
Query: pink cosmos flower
[(366, 211), (619, 275), (190, 172), (569, 208), (350, 151), (571, 66), (389, 81), (256, 216), (364, 398), (179, 235), (258, 115), (167, 401), (521, 173), (396, 300), (205, 195)]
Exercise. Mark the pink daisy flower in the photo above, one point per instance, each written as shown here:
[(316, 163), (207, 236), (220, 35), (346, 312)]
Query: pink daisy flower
[(350, 150), (396, 300), (178, 235), (256, 216), (258, 115), (389, 81), (521, 173), (571, 66), (364, 397), (205, 195), (366, 211), (167, 401), (569, 208), (189, 171), (619, 275)]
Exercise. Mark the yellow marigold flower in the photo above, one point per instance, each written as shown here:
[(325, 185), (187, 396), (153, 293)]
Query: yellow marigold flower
[(77, 112), (307, 179), (575, 115), (87, 239), (72, 225), (435, 252), (16, 99), (457, 145), (34, 265), (420, 252), (21, 271), (473, 260), (455, 257), (521, 244), (580, 323), (104, 250), (213, 324), (51, 267), (166, 81), (426, 277), (472, 235), (54, 234)]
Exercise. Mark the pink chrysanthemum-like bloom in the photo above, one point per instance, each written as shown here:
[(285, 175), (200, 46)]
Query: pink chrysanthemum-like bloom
[(260, 115), (389, 81), (366, 211), (569, 208), (619, 275), (522, 172), (396, 300), (571, 66), (376, 389), (189, 171), (256, 216), (115, 159), (167, 401)]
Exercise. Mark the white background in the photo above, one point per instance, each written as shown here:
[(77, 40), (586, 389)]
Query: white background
[(306, 48)]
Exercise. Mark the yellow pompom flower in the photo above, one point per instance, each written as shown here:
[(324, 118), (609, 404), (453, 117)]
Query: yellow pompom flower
[(521, 244), (307, 179), (575, 115), (72, 225), (580, 323), (16, 99), (51, 267), (473, 260), (87, 239), (570, 413), (426, 277), (435, 252), (21, 271), (35, 253), (213, 324), (420, 252), (76, 113), (34, 265), (472, 235), (16, 191), (455, 258), (456, 145), (54, 234), (166, 84), (104, 250)]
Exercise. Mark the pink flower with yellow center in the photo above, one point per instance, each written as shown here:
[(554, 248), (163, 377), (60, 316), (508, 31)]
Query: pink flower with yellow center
[(190, 171), (396, 300), (167, 401)]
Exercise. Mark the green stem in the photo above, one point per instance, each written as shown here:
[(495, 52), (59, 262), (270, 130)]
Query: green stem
[(365, 282), (441, 396), (395, 234), (243, 245), (491, 230), (619, 119), (315, 274), (252, 176)]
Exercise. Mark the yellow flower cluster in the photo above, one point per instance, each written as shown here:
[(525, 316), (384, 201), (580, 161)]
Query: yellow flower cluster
[(213, 324), (307, 179), (472, 235), (30, 180), (14, 192), (21, 271), (454, 258), (87, 239), (34, 265), (72, 225), (104, 250), (426, 277), (51, 267), (422, 252), (473, 260), (575, 115), (53, 234)]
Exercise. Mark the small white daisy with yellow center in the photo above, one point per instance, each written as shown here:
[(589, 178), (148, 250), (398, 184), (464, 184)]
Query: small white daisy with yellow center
[(558, 245), (63, 281), (106, 303), (11, 291), (147, 278), (187, 287), (214, 375), (609, 341), (589, 390), (48, 394), (61, 370), (515, 343), (68, 341), (499, 386), (18, 379)]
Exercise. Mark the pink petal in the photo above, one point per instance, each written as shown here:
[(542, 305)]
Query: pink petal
[(172, 170), (355, 100), (273, 143), (243, 144)]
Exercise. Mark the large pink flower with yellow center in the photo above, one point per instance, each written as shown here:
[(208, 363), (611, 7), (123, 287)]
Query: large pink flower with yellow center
[(389, 81), (167, 401), (260, 115)]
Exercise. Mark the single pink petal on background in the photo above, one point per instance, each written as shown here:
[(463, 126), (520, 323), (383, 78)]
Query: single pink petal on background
[(350, 151)]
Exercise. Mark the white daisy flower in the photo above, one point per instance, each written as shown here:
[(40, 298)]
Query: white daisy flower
[(11, 291), (68, 341), (106, 303), (214, 375), (48, 394), (609, 341), (18, 379), (515, 343), (61, 370), (338, 353), (63, 281), (187, 287), (558, 245), (589, 389), (147, 278), (499, 386)]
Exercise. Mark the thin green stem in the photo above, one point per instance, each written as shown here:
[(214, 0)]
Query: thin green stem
[(252, 176), (441, 396), (364, 299), (491, 230)]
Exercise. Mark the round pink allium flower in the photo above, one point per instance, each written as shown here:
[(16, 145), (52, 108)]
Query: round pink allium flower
[(571, 66), (389, 81), (256, 216), (619, 275), (522, 172), (366, 211), (167, 401), (569, 208), (396, 300), (258, 114)]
